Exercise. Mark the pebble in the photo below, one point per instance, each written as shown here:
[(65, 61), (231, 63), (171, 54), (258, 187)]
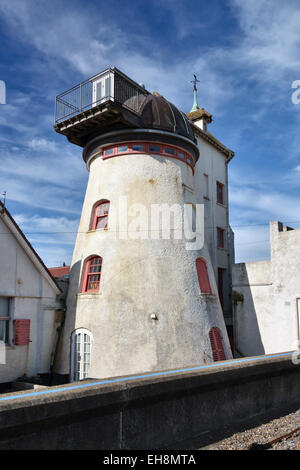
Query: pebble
[(263, 434)]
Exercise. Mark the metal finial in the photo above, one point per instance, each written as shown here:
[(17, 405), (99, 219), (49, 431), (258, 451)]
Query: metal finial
[(195, 81), (195, 105)]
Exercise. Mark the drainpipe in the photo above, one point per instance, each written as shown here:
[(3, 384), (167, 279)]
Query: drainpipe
[(59, 331)]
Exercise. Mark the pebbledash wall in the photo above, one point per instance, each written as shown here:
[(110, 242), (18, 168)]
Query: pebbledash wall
[(141, 278), (267, 297), (30, 293), (149, 312)]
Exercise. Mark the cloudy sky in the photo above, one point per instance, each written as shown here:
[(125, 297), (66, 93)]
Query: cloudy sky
[(246, 54)]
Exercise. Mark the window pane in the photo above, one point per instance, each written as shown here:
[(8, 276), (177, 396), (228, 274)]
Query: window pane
[(4, 330), (108, 151), (220, 198), (95, 265), (154, 148), (124, 148), (98, 91), (181, 155), (169, 150), (138, 148), (220, 238), (4, 306), (102, 222), (188, 160), (107, 87), (103, 209)]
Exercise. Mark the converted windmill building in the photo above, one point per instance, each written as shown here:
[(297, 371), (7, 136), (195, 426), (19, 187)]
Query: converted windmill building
[(139, 301)]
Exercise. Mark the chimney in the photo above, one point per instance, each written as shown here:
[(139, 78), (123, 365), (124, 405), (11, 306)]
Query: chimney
[(201, 118)]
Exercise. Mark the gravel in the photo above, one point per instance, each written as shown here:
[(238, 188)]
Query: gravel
[(263, 434)]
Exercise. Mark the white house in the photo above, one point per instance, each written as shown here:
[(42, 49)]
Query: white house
[(211, 189), (267, 297), (30, 311)]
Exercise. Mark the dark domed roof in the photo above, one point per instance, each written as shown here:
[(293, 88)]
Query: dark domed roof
[(158, 113)]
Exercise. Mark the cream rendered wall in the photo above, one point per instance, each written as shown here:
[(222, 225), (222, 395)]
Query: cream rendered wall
[(31, 294), (140, 278), (267, 320), (213, 163)]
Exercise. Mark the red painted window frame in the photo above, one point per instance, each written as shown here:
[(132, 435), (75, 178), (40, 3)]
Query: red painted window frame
[(96, 217), (216, 344), (220, 186), (188, 158), (220, 242), (203, 277), (87, 274)]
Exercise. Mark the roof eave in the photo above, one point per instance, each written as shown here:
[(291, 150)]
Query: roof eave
[(26, 245), (213, 141)]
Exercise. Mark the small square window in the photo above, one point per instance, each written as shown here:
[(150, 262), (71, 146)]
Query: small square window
[(138, 148), (108, 152), (181, 155), (154, 148), (124, 148), (169, 150)]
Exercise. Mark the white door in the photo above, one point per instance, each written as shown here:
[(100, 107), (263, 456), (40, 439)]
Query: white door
[(81, 342), (102, 89)]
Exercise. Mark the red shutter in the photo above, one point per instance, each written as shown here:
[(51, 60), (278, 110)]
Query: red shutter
[(216, 344), (203, 276), (21, 332)]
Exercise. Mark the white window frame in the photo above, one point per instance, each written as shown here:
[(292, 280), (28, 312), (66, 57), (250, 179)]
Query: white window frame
[(101, 81), (9, 318), (73, 372)]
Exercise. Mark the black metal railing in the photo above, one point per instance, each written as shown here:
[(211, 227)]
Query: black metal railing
[(80, 98)]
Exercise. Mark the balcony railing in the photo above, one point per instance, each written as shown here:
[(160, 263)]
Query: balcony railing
[(109, 85)]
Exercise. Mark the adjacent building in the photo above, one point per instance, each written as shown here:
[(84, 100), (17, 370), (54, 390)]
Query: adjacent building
[(266, 297), (211, 189), (30, 308)]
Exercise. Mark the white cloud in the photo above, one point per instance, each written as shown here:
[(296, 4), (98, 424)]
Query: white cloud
[(48, 174), (271, 30), (43, 144)]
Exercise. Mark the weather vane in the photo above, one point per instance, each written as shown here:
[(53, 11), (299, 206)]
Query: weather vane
[(195, 81), (195, 105)]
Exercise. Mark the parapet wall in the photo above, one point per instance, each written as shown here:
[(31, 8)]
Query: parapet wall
[(152, 411)]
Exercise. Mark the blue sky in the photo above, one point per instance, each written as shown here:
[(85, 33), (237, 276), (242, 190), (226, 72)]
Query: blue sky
[(246, 54)]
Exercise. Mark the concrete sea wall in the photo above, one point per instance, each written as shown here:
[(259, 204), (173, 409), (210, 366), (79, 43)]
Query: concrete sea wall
[(153, 411)]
